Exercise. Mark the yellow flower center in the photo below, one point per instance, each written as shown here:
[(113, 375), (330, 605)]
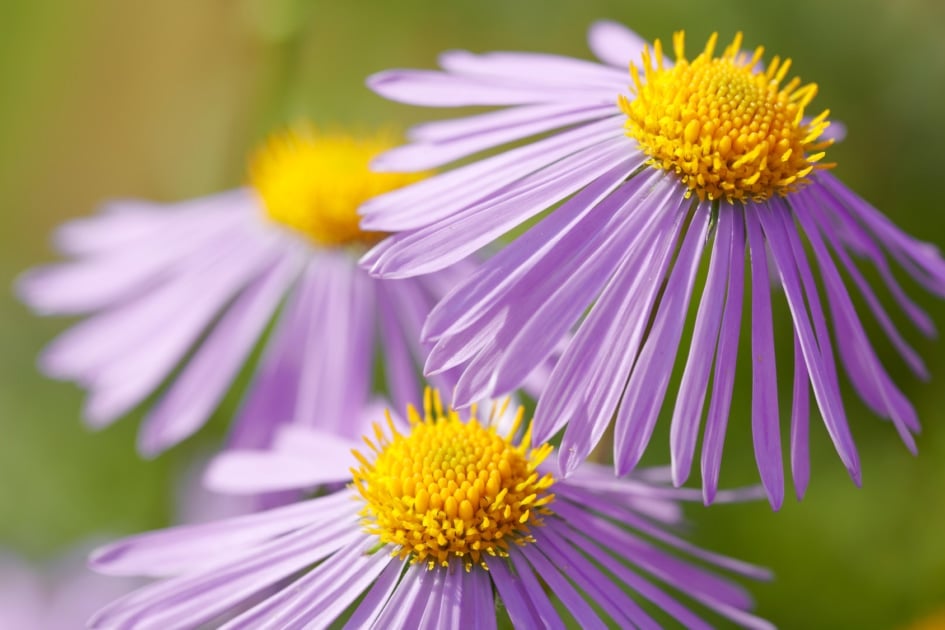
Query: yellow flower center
[(314, 182), (725, 129), (451, 489)]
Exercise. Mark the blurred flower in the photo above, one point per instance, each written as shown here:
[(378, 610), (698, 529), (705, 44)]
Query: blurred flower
[(714, 151), (439, 518), (60, 596), (194, 286)]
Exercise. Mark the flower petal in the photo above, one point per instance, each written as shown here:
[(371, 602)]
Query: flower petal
[(614, 43)]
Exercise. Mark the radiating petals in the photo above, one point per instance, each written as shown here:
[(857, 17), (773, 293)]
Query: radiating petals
[(692, 390), (440, 244), (443, 194), (422, 155), (581, 392), (168, 552), (201, 386), (649, 379)]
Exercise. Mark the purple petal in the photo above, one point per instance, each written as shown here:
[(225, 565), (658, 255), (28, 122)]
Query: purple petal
[(537, 69), (765, 423), (583, 500), (254, 472), (271, 397), (122, 356), (574, 279), (913, 360), (800, 423), (441, 89), (695, 380), (425, 155), (406, 605), (703, 586), (172, 551), (724, 376), (197, 598), (595, 584), (614, 43), (401, 370), (454, 129), (858, 356), (204, 381), (643, 397), (451, 239), (478, 605), (921, 259), (582, 391), (101, 281), (526, 606), (443, 195), (377, 596), (559, 280), (541, 250), (560, 586), (320, 596), (337, 367), (854, 236), (435, 601), (631, 579), (128, 224)]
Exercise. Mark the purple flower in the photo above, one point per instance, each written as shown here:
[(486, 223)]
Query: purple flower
[(440, 518), (655, 170), (183, 294)]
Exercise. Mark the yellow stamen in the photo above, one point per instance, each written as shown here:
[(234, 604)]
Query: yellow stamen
[(452, 489), (726, 130), (314, 182)]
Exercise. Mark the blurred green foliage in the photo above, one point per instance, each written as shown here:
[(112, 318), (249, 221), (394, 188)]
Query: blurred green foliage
[(162, 100)]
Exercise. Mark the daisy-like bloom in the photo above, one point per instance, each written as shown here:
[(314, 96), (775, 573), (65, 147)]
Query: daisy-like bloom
[(684, 158), (183, 293), (440, 518)]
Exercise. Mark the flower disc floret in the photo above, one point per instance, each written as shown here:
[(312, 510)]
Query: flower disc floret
[(726, 129), (451, 488), (314, 183)]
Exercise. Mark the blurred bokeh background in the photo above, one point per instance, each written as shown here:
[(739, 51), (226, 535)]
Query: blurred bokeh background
[(105, 98)]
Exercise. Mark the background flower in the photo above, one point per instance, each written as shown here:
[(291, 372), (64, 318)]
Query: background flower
[(164, 100)]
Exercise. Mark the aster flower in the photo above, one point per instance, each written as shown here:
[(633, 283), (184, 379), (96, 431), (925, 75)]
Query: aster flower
[(651, 169), (183, 293), (440, 517)]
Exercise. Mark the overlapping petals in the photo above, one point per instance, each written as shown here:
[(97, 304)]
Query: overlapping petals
[(617, 260), (307, 564), (176, 299)]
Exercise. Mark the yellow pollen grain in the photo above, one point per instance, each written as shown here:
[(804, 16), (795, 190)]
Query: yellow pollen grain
[(452, 489), (314, 182), (726, 130)]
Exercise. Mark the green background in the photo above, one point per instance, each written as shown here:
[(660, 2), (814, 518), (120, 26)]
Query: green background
[(162, 100)]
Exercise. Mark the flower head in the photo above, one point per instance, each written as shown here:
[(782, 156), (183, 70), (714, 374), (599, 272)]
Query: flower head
[(727, 131), (314, 183), (381, 553), (647, 174), (183, 294), (451, 489)]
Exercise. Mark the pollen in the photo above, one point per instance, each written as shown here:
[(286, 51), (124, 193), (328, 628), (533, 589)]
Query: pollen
[(314, 182), (726, 128), (451, 489)]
